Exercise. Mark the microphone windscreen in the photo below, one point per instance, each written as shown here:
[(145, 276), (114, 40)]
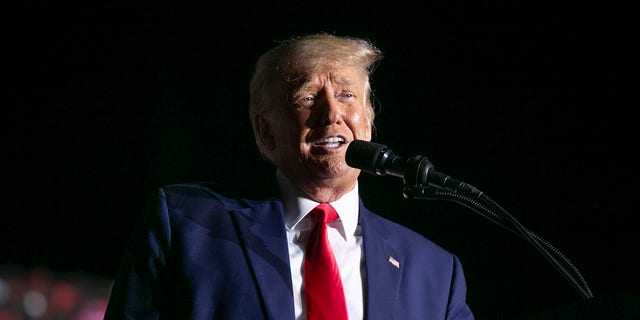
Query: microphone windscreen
[(364, 155)]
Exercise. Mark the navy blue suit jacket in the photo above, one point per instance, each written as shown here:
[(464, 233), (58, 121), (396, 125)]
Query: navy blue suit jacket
[(203, 254)]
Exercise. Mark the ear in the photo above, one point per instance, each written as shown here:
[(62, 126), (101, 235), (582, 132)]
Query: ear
[(264, 134)]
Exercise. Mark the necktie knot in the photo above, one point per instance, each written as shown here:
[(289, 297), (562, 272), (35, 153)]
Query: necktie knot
[(324, 213)]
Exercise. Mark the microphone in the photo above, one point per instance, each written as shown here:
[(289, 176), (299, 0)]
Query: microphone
[(416, 171)]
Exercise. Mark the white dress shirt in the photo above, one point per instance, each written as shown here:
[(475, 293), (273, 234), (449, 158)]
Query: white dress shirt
[(344, 236)]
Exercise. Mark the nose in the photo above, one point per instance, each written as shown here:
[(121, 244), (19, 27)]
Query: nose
[(330, 109)]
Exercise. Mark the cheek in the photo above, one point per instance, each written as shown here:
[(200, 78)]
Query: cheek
[(361, 126), (367, 134), (290, 129)]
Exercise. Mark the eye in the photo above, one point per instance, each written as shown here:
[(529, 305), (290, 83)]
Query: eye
[(306, 102), (346, 97)]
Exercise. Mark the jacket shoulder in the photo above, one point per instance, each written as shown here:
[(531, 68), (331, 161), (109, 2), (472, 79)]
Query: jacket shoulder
[(232, 196)]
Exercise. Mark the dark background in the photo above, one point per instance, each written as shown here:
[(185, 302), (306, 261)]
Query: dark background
[(522, 100)]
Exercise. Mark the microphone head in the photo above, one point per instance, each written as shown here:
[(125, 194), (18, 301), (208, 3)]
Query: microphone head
[(367, 156)]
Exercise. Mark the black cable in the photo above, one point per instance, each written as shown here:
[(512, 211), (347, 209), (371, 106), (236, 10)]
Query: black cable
[(483, 205)]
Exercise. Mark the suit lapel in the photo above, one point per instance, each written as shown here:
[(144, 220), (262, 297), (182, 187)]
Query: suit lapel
[(264, 238), (383, 268)]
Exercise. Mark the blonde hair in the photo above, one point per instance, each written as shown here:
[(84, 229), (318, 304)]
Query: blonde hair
[(294, 58)]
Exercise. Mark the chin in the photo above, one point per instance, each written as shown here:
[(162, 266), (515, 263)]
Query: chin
[(340, 169)]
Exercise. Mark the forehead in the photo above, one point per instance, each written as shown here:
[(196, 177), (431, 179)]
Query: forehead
[(344, 76)]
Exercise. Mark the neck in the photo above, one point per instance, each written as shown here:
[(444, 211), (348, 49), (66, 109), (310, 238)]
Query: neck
[(322, 193), (322, 190)]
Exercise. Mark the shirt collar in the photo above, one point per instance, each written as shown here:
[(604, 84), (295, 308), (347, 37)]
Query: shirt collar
[(296, 207)]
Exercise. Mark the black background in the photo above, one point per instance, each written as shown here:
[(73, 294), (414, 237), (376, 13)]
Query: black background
[(522, 100)]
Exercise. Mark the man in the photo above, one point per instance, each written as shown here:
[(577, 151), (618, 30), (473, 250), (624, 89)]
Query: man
[(209, 253)]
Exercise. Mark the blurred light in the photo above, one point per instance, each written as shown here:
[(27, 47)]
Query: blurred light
[(43, 294), (5, 292), (92, 310), (63, 297), (35, 304)]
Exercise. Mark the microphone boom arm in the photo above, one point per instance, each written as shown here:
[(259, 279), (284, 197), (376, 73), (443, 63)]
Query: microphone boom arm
[(423, 182)]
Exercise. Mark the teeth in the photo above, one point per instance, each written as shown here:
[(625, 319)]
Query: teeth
[(332, 140)]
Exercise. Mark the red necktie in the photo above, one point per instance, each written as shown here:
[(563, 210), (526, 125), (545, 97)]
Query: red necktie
[(323, 286)]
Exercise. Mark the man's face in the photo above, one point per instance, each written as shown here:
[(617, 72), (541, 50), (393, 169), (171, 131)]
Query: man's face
[(310, 136)]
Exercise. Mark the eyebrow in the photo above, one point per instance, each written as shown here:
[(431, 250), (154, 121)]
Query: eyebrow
[(311, 84)]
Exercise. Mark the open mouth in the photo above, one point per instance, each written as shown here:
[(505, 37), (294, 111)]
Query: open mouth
[(330, 142)]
